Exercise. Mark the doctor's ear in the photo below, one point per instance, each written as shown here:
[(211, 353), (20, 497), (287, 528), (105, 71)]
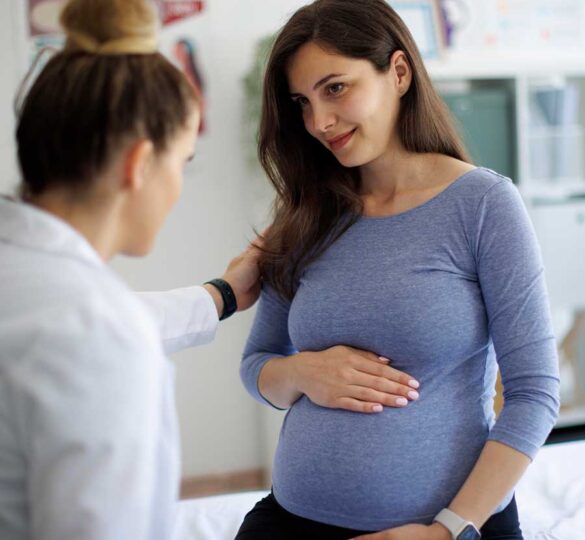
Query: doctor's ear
[(137, 160)]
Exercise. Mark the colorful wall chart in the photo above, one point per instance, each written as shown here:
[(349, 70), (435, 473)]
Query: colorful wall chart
[(175, 10), (519, 24), (45, 32), (43, 16)]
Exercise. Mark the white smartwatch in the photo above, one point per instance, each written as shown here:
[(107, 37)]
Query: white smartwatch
[(459, 528)]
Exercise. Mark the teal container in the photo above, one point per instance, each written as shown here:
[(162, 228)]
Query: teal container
[(485, 119)]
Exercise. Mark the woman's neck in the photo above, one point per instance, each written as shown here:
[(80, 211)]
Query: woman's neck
[(395, 172), (399, 180), (97, 222)]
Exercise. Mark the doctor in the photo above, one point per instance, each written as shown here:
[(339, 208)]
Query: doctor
[(88, 431)]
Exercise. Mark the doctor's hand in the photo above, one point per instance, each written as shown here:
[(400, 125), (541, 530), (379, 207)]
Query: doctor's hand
[(346, 378), (243, 274), (411, 532)]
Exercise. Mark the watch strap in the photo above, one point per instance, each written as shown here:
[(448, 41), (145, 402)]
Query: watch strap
[(230, 304), (454, 523)]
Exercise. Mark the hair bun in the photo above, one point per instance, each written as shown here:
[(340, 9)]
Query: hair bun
[(111, 27)]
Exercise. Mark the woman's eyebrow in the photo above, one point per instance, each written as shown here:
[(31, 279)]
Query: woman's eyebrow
[(319, 83)]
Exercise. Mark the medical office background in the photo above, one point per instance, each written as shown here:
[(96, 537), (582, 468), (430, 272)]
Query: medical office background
[(512, 72)]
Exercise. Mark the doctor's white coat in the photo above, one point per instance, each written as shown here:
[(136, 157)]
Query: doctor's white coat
[(88, 431)]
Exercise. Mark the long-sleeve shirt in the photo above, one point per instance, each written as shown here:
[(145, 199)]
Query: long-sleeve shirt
[(89, 444), (437, 289)]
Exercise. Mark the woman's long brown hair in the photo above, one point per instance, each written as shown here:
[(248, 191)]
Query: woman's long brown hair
[(316, 197)]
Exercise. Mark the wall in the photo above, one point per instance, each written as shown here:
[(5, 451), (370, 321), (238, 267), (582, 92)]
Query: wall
[(12, 60), (222, 428)]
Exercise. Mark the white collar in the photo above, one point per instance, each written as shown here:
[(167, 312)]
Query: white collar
[(27, 226)]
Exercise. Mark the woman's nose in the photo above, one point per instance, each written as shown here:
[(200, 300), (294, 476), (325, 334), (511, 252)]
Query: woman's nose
[(323, 118)]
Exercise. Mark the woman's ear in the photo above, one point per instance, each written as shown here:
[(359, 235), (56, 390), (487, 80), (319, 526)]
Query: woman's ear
[(402, 72), (136, 162)]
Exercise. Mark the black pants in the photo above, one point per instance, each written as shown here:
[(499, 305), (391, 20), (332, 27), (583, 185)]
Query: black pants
[(270, 521)]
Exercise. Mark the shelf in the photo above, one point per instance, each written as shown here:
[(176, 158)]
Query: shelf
[(551, 192), (573, 130), (501, 65)]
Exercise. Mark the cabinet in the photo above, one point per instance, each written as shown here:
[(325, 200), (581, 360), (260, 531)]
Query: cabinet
[(525, 117), (485, 117)]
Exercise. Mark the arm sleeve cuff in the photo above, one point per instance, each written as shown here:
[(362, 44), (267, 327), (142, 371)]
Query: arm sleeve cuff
[(186, 317)]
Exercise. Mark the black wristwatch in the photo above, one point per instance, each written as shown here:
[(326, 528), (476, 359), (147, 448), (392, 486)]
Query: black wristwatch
[(230, 304)]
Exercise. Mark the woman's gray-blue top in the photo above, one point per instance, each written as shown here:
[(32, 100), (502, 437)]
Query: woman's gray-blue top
[(436, 289)]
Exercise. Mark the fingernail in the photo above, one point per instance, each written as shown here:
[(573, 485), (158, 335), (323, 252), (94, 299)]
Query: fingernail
[(382, 359), (412, 394), (413, 384), (377, 408), (401, 401)]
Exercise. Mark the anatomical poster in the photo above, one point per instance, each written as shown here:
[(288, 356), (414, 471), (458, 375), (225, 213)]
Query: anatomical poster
[(176, 10), (43, 16)]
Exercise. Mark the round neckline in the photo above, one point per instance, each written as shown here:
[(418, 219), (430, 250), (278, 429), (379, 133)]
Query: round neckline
[(423, 205)]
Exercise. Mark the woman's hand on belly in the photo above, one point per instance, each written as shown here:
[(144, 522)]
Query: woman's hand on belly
[(411, 532), (346, 378)]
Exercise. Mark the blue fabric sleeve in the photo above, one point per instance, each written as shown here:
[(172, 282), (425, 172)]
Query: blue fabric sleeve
[(268, 339), (511, 277)]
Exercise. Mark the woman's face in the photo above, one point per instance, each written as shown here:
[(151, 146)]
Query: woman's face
[(346, 104)]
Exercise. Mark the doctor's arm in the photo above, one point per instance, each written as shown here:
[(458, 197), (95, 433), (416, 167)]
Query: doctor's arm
[(189, 316)]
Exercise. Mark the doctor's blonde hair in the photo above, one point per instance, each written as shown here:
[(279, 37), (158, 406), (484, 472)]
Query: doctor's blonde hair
[(108, 86)]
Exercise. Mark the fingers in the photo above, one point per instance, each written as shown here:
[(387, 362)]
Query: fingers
[(365, 394), (385, 386), (378, 366), (259, 242), (355, 405)]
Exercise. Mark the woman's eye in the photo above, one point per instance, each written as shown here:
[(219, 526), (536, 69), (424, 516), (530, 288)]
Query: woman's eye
[(301, 101), (335, 88)]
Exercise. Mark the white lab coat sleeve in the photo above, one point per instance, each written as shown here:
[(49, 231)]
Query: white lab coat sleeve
[(186, 317), (90, 400)]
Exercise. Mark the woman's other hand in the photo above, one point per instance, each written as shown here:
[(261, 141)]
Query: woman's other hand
[(346, 378)]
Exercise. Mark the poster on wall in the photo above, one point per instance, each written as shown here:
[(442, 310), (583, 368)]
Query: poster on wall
[(179, 45), (175, 10), (45, 32), (517, 24), (43, 24), (43, 16), (423, 18), (185, 56)]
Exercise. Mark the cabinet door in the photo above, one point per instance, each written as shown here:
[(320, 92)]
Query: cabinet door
[(560, 228), (485, 122)]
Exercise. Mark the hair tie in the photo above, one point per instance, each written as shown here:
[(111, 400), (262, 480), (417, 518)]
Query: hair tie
[(120, 46)]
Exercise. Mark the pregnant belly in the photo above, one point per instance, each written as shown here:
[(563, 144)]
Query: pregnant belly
[(376, 471)]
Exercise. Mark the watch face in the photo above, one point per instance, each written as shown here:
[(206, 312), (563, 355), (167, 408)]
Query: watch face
[(469, 533)]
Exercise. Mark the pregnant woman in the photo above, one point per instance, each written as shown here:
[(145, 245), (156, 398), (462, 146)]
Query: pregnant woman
[(387, 243)]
